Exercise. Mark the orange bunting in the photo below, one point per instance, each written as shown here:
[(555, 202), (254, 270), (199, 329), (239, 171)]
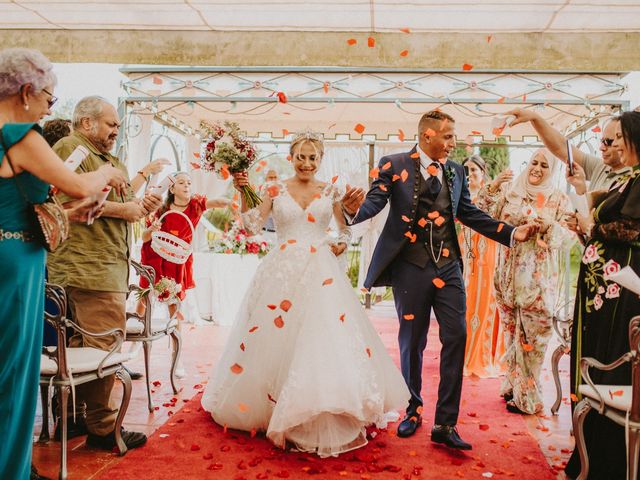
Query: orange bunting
[(352, 41), (445, 252), (368, 350), (433, 215), (272, 307), (328, 281), (411, 236), (409, 316), (342, 317), (311, 218), (429, 132), (422, 222), (386, 166), (404, 53), (438, 282), (313, 249), (395, 177), (242, 346), (500, 227), (527, 347), (439, 221), (405, 219), (404, 175), (383, 188), (467, 67), (237, 369), (334, 179), (285, 305), (400, 135), (359, 128), (253, 329), (278, 322), (374, 173), (432, 170), (282, 97), (371, 42)]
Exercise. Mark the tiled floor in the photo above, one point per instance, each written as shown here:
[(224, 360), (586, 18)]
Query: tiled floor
[(202, 345)]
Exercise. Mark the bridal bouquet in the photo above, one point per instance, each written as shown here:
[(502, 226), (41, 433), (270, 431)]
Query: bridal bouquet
[(237, 240), (165, 290), (227, 151)]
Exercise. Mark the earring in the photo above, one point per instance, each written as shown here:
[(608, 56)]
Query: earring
[(26, 107)]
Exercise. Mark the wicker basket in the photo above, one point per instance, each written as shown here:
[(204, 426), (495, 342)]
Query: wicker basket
[(173, 249)]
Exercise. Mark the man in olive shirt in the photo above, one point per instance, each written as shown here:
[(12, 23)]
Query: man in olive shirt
[(93, 264), (601, 174)]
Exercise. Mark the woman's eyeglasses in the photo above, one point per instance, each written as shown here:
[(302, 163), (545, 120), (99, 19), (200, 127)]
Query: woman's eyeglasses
[(52, 99), (607, 142)]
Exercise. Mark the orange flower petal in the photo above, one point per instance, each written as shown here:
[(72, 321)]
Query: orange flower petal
[(422, 222), (616, 393), (395, 177), (527, 347), (328, 281), (311, 218), (415, 155), (237, 369), (368, 350), (439, 221), (272, 307), (405, 30), (483, 426), (404, 175), (242, 347), (405, 219), (273, 191), (432, 170), (371, 42), (374, 173), (411, 236), (291, 241), (500, 227), (342, 317), (285, 132), (253, 329), (501, 100), (409, 316), (352, 41), (195, 166), (383, 188), (224, 170), (433, 215), (467, 67), (438, 282), (278, 322), (573, 397), (404, 53), (596, 129), (386, 166), (285, 305), (445, 252), (313, 249), (359, 128), (334, 179)]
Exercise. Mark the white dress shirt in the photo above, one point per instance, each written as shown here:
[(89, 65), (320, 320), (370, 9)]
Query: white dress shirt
[(425, 161)]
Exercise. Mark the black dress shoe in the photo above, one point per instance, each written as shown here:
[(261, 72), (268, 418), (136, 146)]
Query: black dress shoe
[(132, 374), (409, 425), (35, 475), (108, 442), (448, 435), (74, 429)]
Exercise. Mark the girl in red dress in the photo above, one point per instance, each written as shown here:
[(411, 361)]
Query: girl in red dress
[(179, 199)]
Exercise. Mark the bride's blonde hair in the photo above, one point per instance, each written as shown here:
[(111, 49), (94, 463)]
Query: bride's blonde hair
[(314, 139)]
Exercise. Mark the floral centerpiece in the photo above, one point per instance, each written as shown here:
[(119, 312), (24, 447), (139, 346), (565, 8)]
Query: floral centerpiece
[(237, 240), (165, 290), (227, 151)]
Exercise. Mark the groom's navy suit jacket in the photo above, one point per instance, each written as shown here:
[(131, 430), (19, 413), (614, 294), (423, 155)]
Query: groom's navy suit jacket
[(403, 198)]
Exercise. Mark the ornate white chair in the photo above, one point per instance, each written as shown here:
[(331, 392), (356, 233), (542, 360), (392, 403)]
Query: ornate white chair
[(146, 329), (620, 403), (562, 327), (65, 367)]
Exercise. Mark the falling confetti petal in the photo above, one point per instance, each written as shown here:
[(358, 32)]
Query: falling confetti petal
[(278, 322), (242, 347), (439, 221), (404, 175), (285, 305), (411, 236), (409, 316), (312, 249), (405, 30), (237, 369), (342, 317), (406, 219), (432, 170), (404, 53), (311, 218), (253, 329), (383, 188), (527, 347), (243, 407), (374, 173), (328, 281), (272, 307), (500, 227), (282, 97), (483, 427), (368, 350), (467, 67), (359, 128), (445, 252), (352, 41), (386, 166), (438, 282), (596, 129), (433, 215), (371, 42), (400, 135), (422, 222), (334, 179), (415, 155)]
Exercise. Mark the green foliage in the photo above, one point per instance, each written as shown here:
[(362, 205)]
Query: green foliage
[(497, 158), (220, 217)]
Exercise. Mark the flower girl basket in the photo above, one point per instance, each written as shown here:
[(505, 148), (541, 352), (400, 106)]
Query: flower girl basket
[(169, 246)]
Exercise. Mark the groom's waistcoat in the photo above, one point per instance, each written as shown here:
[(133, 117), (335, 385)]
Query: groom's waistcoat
[(434, 237)]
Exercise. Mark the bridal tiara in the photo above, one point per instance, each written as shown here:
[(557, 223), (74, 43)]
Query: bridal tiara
[(307, 135)]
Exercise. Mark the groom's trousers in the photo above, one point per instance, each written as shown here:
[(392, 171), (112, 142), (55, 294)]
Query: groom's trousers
[(415, 295)]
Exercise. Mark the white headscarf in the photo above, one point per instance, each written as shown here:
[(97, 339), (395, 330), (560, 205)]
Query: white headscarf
[(521, 188)]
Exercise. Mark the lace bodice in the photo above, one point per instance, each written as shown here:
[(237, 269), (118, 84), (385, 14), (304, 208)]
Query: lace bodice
[(292, 222)]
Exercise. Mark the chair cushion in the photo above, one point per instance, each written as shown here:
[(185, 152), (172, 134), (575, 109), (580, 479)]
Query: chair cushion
[(614, 396), (134, 326), (82, 360)]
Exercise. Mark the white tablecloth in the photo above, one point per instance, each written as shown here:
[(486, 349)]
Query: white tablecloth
[(221, 283)]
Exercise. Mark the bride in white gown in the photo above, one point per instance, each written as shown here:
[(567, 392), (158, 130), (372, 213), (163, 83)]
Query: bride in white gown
[(303, 363)]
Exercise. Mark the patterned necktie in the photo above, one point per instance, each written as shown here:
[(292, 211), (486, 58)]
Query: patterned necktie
[(433, 183)]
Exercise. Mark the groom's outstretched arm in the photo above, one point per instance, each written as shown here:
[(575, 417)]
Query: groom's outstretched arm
[(377, 196)]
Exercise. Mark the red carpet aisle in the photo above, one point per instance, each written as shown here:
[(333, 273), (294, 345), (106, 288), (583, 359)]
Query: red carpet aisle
[(191, 446)]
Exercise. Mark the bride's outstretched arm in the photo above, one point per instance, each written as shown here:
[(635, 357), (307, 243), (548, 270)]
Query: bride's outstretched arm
[(255, 218), (344, 232)]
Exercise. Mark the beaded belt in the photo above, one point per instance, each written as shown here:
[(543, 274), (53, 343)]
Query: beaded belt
[(23, 235)]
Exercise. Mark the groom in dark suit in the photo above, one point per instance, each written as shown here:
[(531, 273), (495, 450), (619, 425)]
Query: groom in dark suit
[(418, 255)]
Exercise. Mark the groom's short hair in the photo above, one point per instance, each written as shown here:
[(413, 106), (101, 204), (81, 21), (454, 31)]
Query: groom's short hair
[(429, 119)]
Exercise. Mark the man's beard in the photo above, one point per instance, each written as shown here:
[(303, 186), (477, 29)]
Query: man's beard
[(103, 145)]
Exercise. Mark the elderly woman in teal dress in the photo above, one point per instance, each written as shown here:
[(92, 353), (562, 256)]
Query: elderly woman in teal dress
[(27, 169), (603, 309)]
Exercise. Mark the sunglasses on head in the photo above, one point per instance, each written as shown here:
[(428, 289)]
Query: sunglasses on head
[(607, 142), (52, 99)]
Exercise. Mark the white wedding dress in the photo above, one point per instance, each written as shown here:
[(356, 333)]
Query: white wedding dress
[(303, 363)]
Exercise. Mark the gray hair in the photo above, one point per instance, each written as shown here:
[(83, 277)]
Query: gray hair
[(89, 107), (19, 66)]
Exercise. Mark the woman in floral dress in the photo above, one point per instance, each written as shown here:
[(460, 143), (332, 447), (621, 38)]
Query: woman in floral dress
[(527, 277), (603, 308)]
